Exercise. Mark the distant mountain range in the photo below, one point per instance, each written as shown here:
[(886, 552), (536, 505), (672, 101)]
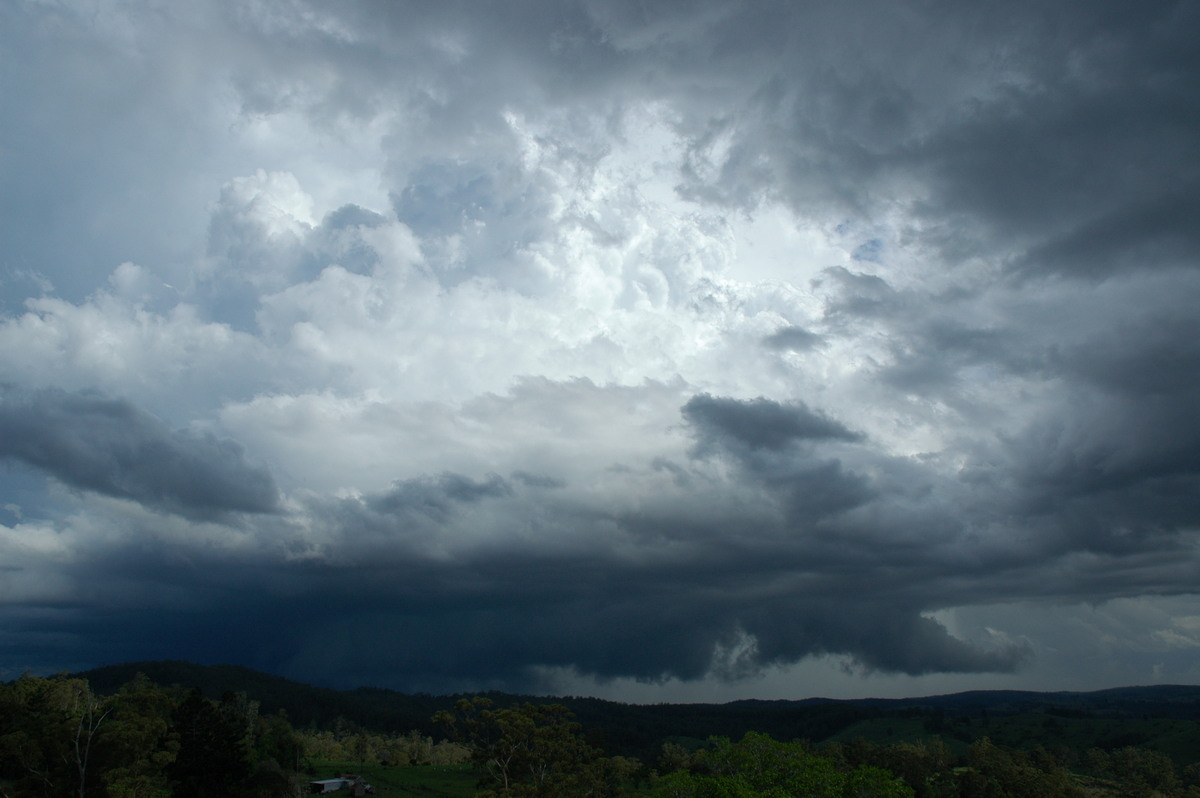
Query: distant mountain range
[(1163, 717)]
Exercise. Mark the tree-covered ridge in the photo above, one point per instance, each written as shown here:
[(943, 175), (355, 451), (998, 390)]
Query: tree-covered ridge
[(62, 736), (1162, 718)]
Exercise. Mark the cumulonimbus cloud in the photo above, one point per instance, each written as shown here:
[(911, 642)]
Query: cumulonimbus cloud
[(659, 341)]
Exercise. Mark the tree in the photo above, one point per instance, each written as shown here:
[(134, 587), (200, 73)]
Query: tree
[(137, 745), (533, 751), (48, 729), (90, 713), (1143, 773), (996, 772), (212, 758), (58, 738), (922, 766), (674, 757)]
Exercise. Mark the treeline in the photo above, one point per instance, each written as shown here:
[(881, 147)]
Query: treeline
[(758, 766), (306, 705), (1161, 718), (539, 751), (59, 737)]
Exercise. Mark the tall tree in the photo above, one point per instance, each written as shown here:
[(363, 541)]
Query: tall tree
[(212, 759), (138, 745), (48, 730), (533, 751)]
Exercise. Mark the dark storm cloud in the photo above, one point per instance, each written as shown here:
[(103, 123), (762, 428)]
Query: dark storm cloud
[(1158, 232), (726, 588), (1058, 135), (680, 596), (883, 637), (1090, 158), (1150, 358), (742, 588), (758, 423), (762, 436), (435, 496), (442, 623), (111, 447), (1114, 473)]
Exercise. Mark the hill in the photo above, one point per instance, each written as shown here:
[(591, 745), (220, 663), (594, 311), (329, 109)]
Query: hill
[(1162, 717)]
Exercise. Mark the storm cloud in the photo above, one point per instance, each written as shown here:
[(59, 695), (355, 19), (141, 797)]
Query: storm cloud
[(758, 423), (656, 351), (108, 446)]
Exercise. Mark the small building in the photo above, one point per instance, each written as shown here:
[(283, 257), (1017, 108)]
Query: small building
[(355, 784)]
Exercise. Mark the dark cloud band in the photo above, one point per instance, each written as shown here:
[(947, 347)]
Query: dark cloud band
[(109, 446)]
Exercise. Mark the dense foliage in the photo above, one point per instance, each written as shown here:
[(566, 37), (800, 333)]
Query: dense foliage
[(58, 738), (535, 751), (759, 766)]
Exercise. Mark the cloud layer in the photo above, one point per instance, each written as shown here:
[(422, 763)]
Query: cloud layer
[(729, 349), (111, 448)]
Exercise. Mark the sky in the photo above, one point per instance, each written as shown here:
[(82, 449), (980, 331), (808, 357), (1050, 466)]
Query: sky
[(690, 350)]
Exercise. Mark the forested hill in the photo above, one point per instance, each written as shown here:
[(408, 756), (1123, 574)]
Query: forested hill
[(306, 705), (1105, 719)]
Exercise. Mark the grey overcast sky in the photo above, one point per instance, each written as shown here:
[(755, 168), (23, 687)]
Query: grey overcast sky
[(659, 351)]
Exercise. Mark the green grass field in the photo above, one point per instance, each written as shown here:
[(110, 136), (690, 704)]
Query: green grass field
[(427, 781)]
